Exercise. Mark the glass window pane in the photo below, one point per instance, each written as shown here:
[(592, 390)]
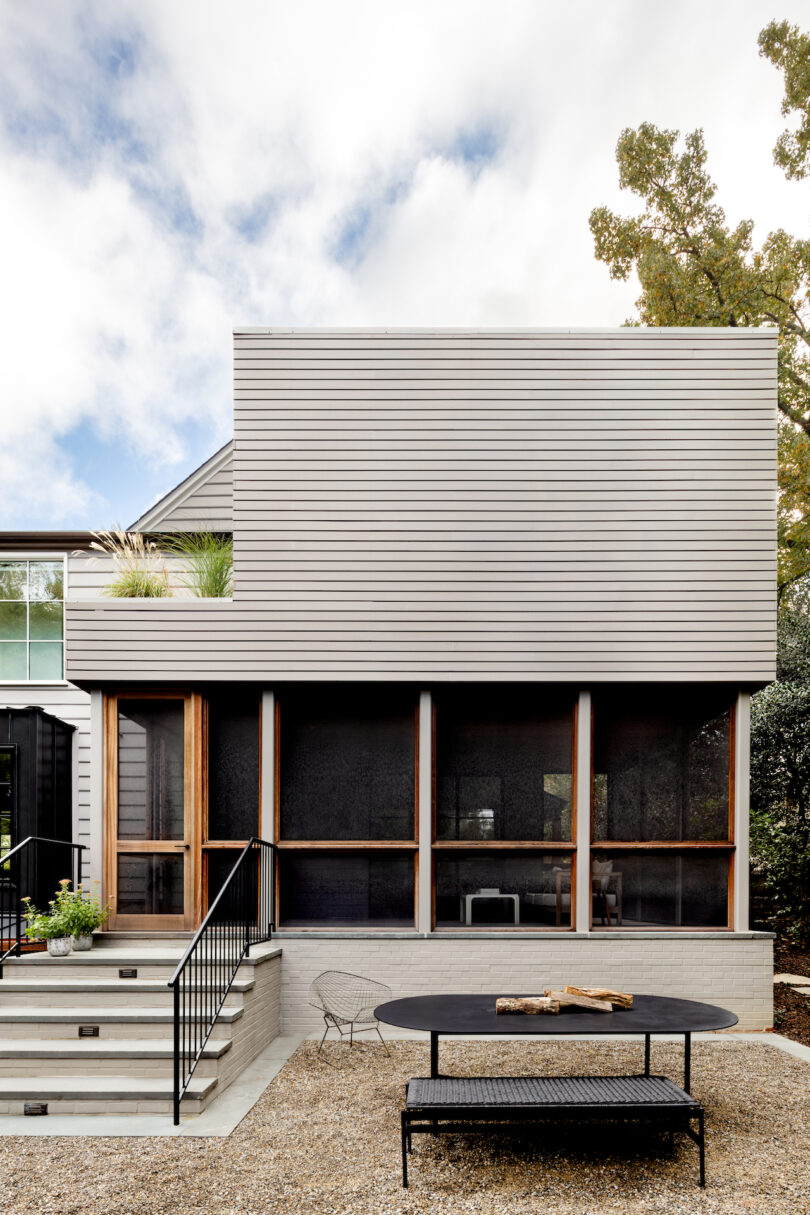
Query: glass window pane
[(13, 660), (13, 579), (46, 660), (45, 580), (347, 762), (497, 889), (346, 890), (13, 621), (46, 621), (150, 884), (503, 764), (150, 770), (233, 765), (661, 765), (674, 889)]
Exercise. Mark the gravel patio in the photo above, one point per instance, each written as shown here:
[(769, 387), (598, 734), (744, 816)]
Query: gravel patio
[(323, 1140)]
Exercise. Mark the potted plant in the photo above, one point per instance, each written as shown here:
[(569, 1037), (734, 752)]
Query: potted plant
[(48, 927), (80, 913)]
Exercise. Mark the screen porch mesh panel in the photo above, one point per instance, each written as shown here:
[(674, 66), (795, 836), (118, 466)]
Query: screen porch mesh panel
[(233, 765), (503, 763), (351, 889), (347, 764), (661, 765)]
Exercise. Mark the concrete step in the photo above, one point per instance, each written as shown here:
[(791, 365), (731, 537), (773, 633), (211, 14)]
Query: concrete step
[(102, 1094), (23, 1022), (45, 993), (105, 963), (91, 1057)]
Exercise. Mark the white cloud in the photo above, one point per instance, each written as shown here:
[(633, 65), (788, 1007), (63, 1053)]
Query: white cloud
[(171, 169)]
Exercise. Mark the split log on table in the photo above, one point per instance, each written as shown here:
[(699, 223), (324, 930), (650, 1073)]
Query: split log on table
[(619, 999), (567, 999), (526, 1004)]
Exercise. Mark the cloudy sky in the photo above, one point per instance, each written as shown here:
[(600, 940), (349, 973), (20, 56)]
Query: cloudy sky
[(171, 168)]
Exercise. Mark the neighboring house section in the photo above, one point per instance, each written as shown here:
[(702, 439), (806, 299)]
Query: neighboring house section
[(203, 502), (33, 671)]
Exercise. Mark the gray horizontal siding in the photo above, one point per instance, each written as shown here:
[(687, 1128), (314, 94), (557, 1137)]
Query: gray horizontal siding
[(422, 504)]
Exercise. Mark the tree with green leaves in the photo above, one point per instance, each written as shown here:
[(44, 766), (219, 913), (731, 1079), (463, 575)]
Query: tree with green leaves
[(789, 50), (695, 269)]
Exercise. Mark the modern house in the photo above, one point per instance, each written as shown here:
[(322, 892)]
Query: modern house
[(501, 598)]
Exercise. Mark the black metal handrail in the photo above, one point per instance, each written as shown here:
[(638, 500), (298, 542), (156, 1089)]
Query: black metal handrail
[(240, 916), (30, 869)]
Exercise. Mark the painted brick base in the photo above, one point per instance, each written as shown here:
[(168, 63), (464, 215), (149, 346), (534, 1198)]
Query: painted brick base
[(735, 972)]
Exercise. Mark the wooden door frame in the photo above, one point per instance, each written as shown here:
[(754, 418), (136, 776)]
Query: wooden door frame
[(193, 791)]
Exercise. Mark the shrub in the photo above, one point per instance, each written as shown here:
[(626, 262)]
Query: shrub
[(140, 568), (208, 559)]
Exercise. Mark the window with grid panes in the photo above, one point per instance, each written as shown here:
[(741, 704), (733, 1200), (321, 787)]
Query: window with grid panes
[(31, 620)]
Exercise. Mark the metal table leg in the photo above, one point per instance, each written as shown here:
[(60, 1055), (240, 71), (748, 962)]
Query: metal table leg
[(687, 1062), (434, 1054), (646, 1054)]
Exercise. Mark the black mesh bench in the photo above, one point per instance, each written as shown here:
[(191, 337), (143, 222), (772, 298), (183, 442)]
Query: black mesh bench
[(449, 1105)]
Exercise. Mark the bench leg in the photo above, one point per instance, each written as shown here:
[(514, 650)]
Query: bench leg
[(405, 1142), (702, 1149)]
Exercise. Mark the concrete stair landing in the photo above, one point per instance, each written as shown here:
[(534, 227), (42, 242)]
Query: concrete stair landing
[(127, 1068)]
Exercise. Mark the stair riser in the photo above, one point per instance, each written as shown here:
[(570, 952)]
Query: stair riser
[(109, 1107), (69, 1030), (123, 998), (87, 1068)]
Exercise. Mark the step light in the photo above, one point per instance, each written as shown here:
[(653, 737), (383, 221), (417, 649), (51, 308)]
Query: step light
[(88, 1031), (35, 1108), (127, 972)]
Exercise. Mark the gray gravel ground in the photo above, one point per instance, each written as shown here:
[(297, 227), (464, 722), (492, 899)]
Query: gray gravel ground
[(326, 1142)]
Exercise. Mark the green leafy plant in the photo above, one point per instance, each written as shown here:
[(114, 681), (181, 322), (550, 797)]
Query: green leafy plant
[(74, 913), (43, 925), (140, 567), (80, 911), (208, 561)]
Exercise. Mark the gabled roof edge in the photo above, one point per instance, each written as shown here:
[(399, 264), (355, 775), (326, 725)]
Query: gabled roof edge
[(151, 519)]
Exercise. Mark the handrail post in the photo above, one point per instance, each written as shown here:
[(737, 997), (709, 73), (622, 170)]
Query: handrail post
[(176, 1090), (17, 865)]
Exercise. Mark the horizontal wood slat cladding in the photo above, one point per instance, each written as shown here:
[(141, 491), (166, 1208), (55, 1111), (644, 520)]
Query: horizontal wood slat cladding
[(462, 505)]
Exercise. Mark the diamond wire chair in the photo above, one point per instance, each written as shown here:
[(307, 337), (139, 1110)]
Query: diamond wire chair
[(347, 999)]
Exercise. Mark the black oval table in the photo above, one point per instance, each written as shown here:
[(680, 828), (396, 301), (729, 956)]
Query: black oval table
[(474, 1014)]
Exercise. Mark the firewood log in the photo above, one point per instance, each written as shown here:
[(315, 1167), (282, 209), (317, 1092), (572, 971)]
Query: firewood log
[(566, 999), (619, 999), (526, 1004)]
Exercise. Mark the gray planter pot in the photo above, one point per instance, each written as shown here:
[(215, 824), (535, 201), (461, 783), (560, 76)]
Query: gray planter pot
[(60, 947), (83, 942)]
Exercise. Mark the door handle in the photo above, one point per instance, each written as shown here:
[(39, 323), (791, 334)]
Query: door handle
[(182, 846)]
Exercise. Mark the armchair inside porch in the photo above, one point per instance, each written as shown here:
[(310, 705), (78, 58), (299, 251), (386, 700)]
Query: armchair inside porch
[(606, 888)]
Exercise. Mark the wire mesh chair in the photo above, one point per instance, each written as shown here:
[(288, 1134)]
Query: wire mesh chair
[(348, 1000)]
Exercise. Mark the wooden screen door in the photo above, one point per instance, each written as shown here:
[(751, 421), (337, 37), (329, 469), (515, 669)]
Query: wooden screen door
[(152, 796)]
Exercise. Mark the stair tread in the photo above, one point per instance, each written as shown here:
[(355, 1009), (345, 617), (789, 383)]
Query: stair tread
[(9, 986), (36, 1088), (90, 1015), (100, 1048)]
